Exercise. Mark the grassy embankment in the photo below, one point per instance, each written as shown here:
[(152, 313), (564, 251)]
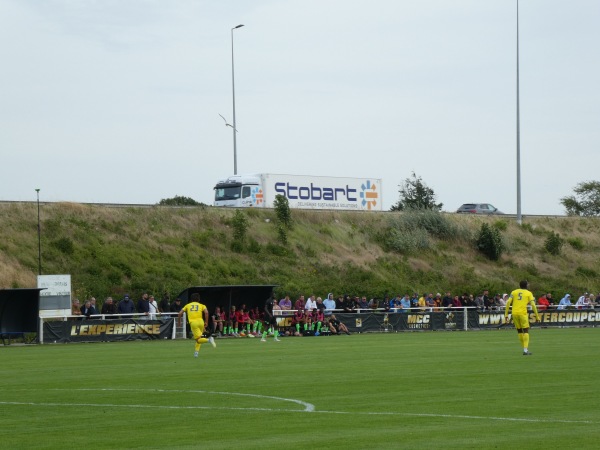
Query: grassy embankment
[(110, 251)]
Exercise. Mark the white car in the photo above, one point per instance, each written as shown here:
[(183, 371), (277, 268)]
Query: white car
[(478, 208)]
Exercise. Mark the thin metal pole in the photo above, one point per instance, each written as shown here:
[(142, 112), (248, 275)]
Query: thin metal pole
[(519, 217), (233, 91), (39, 235)]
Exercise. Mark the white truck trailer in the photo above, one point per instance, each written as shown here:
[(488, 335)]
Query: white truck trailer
[(302, 191)]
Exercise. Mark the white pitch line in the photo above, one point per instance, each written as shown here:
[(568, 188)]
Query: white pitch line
[(308, 407)]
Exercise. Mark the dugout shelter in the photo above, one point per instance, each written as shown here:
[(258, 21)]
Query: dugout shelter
[(19, 311), (226, 296)]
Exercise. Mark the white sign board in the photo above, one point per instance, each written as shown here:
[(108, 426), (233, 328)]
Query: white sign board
[(55, 297)]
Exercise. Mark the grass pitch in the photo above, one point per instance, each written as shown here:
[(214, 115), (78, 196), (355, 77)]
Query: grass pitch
[(404, 390)]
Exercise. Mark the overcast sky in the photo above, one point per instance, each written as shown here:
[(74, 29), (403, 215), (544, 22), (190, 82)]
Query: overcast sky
[(118, 101)]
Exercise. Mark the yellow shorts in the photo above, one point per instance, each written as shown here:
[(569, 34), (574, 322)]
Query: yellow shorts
[(521, 321), (197, 328)]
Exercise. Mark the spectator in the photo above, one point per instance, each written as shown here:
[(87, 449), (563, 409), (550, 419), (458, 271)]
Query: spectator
[(308, 318), (414, 300), (257, 316), (405, 304), (126, 306), (456, 303), (311, 303), (76, 308), (395, 303), (93, 304), (550, 299), (285, 304), (543, 303), (363, 304), (87, 309), (486, 299), (583, 302), (468, 301), (329, 304), (345, 304), (218, 318), (447, 301), (318, 318), (299, 321), (109, 308), (320, 305), (373, 304), (176, 306), (495, 302), (153, 308), (246, 323), (232, 322), (503, 301), (299, 304), (422, 303), (480, 303), (437, 302), (337, 327), (143, 305), (565, 302), (385, 303), (165, 304)]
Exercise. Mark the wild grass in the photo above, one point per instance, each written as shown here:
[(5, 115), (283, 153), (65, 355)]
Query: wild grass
[(112, 251)]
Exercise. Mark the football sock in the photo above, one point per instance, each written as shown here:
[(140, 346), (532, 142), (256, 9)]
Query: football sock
[(525, 341), (264, 335), (298, 327), (319, 327)]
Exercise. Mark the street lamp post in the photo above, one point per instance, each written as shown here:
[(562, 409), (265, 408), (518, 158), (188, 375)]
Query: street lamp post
[(519, 217), (39, 235), (233, 91)]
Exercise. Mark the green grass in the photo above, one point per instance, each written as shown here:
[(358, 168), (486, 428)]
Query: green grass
[(405, 390)]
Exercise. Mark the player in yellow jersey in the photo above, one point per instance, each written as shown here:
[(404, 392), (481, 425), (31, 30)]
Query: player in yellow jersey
[(519, 299), (197, 315)]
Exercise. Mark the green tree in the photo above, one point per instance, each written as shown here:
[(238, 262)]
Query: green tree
[(489, 242), (415, 194), (240, 227), (180, 201), (585, 202), (554, 243), (284, 217)]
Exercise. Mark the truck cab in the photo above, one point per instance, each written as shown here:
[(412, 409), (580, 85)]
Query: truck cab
[(238, 191)]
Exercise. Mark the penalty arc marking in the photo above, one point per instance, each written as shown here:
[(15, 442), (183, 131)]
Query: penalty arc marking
[(307, 407)]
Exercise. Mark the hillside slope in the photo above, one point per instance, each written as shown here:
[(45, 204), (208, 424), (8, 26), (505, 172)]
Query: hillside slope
[(112, 251)]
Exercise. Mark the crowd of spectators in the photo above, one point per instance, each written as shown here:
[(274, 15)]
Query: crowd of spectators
[(315, 316), (146, 307)]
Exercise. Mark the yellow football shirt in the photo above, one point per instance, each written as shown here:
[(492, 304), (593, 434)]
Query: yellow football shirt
[(194, 311), (520, 298)]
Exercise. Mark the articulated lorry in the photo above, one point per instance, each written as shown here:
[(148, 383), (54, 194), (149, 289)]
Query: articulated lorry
[(302, 191)]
